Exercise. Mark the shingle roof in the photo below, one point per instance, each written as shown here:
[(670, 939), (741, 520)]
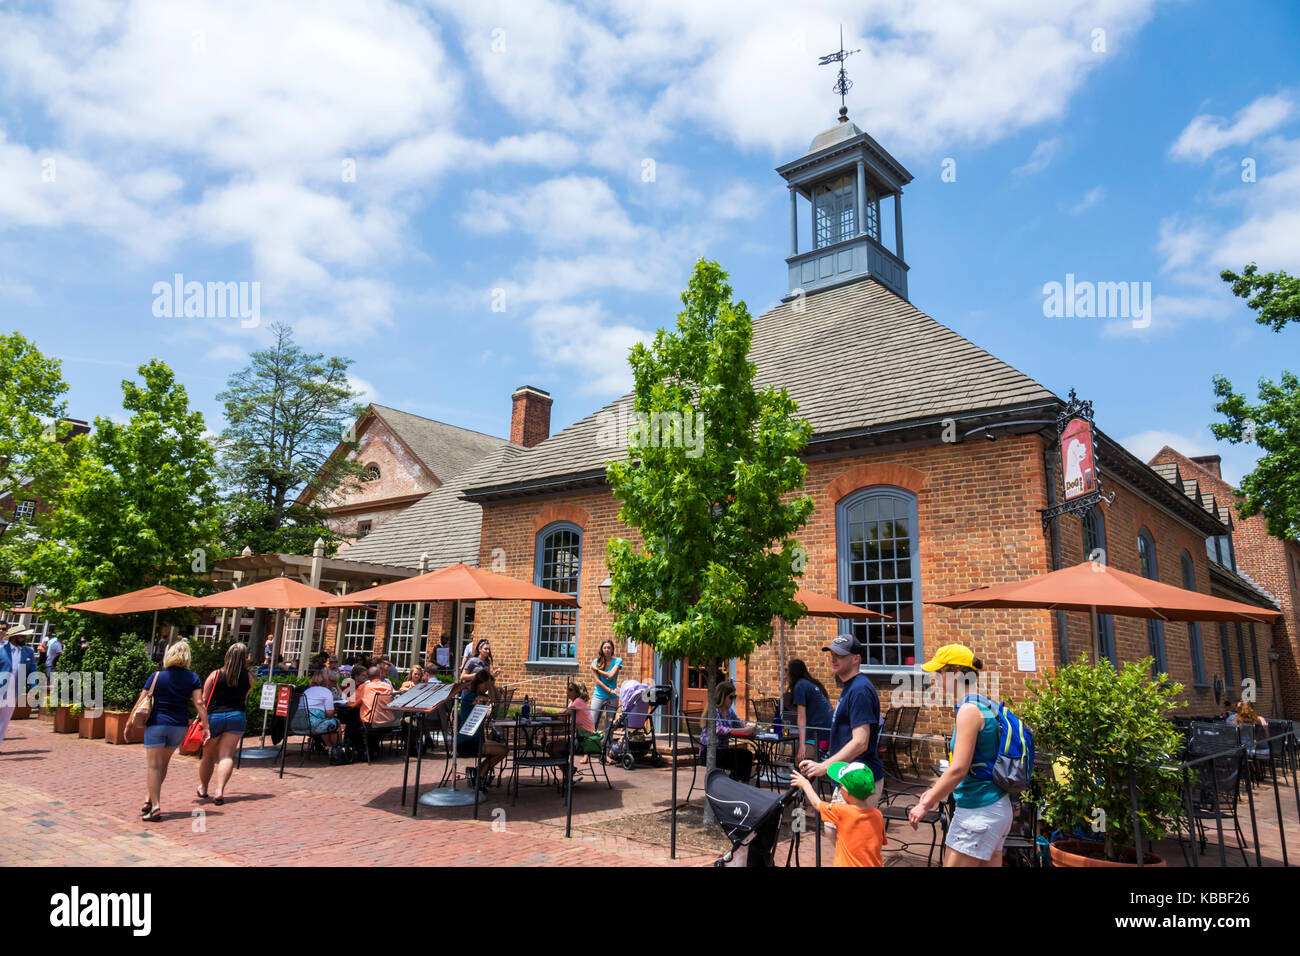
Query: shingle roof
[(446, 450), (439, 523), (855, 357), (1190, 486)]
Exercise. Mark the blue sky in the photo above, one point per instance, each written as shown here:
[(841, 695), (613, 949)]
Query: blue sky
[(502, 153)]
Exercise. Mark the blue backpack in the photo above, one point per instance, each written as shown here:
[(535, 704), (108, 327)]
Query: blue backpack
[(1013, 763)]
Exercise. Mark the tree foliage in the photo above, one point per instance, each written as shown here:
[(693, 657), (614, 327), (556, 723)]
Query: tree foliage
[(286, 411), (1273, 424), (138, 503), (1275, 296), (718, 561), (34, 448)]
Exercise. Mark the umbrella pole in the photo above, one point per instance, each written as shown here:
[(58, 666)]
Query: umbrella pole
[(1096, 637)]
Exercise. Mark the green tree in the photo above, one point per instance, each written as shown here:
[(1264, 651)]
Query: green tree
[(716, 516), (287, 412), (1273, 424), (139, 503), (34, 450), (1275, 296)]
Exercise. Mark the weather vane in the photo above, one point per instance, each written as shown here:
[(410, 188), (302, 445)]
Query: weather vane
[(842, 83)]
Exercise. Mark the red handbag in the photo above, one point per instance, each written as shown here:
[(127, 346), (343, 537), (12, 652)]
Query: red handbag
[(193, 741)]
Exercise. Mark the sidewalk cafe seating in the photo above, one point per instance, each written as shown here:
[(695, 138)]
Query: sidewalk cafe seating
[(937, 819), (375, 731), (694, 727), (561, 729), (1216, 782)]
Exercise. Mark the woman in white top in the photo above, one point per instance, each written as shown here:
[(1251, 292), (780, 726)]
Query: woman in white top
[(320, 710)]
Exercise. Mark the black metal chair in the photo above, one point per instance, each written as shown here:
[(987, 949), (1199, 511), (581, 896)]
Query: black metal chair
[(1216, 786), (937, 819), (557, 746), (694, 729), (379, 731), (765, 709), (300, 726)]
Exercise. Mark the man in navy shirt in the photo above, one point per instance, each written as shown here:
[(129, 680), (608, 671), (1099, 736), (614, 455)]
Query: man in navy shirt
[(855, 726)]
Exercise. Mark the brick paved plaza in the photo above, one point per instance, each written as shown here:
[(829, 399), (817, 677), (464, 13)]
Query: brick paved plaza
[(65, 801)]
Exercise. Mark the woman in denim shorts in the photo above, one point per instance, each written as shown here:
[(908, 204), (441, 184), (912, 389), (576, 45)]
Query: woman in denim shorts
[(174, 686), (983, 818), (226, 691)]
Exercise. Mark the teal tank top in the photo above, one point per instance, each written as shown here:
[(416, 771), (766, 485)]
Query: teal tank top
[(973, 792)]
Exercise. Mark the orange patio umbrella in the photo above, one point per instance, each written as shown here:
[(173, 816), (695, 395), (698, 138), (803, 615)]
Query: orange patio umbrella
[(156, 598), (459, 582), (273, 594), (819, 605), (1099, 589)]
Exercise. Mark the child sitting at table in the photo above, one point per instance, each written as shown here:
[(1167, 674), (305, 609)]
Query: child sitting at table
[(585, 724)]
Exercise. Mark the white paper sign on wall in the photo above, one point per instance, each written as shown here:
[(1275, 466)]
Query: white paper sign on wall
[(1025, 660)]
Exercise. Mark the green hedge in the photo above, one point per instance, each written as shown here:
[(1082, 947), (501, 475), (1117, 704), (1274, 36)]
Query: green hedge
[(126, 676), (254, 712)]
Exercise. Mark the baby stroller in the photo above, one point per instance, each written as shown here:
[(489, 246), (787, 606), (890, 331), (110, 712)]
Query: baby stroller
[(632, 735), (751, 819)]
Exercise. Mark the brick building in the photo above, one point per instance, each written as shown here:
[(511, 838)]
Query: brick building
[(405, 458), (930, 466), (1269, 565)]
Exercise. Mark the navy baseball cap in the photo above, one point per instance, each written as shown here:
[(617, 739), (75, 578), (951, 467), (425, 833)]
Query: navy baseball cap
[(845, 644)]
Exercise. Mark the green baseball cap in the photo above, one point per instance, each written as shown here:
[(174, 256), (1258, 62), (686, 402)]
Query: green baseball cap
[(856, 778)]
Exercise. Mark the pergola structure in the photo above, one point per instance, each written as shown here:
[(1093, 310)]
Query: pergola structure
[(338, 575)]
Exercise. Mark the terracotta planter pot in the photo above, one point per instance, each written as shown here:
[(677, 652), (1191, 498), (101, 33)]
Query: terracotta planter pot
[(92, 728), (115, 722), (1074, 853), (21, 713), (63, 722)]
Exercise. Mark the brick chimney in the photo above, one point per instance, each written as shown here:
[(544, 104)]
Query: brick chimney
[(1211, 464), (530, 418)]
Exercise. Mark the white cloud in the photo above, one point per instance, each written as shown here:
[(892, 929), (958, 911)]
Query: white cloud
[(563, 211), (367, 392), (1093, 196), (1206, 135), (583, 337), (1040, 158)]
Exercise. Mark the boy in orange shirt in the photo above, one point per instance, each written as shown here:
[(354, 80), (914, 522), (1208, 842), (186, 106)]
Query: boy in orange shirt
[(860, 829)]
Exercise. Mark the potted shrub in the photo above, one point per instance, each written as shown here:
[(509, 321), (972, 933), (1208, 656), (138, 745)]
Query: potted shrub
[(1103, 725), (126, 677), (64, 722), (89, 727)]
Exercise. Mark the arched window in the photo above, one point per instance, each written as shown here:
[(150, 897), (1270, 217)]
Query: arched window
[(1193, 628), (880, 569), (371, 473), (1094, 543), (557, 567), (1155, 629)]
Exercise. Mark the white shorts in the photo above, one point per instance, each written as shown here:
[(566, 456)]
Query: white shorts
[(980, 831)]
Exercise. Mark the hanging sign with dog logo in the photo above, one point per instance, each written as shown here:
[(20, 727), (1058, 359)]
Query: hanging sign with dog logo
[(1077, 459)]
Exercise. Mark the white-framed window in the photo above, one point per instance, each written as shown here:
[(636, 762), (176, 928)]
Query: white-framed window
[(358, 633), (25, 511), (880, 569), (557, 567), (371, 473), (363, 528), (293, 624), (405, 626)]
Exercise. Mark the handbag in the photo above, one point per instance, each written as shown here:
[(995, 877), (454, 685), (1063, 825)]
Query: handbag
[(135, 724), (193, 741)]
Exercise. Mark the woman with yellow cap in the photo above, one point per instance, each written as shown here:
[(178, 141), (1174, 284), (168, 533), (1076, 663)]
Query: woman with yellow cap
[(983, 818)]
